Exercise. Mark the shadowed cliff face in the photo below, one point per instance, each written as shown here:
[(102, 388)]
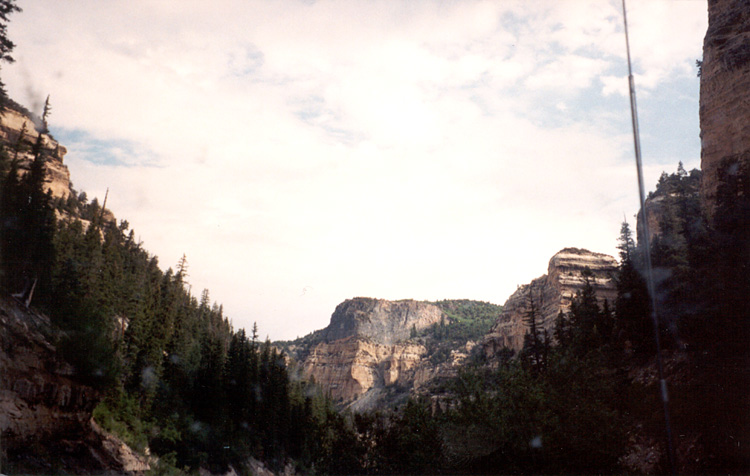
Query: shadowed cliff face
[(38, 395), (45, 412), (552, 293), (724, 99)]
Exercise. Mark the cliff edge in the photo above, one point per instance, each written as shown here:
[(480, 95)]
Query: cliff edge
[(552, 293), (724, 104)]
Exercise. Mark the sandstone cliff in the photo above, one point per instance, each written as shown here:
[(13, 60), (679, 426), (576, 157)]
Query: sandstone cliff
[(552, 293), (45, 411), (724, 98), (18, 133), (350, 368), (377, 351), (386, 322), (674, 205)]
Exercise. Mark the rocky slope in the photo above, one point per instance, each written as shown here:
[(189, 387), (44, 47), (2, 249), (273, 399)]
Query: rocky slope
[(18, 135), (724, 100), (377, 351), (551, 293), (45, 411)]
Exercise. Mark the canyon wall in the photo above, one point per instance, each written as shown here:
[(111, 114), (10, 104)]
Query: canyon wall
[(386, 322), (725, 95), (18, 134), (45, 410), (552, 293), (369, 354), (373, 351)]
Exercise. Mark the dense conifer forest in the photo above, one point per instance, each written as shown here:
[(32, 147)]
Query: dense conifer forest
[(177, 378)]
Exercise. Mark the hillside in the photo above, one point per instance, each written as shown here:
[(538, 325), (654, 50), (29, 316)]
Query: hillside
[(98, 340), (106, 358), (45, 405)]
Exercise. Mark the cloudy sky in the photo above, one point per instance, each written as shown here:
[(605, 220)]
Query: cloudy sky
[(304, 152)]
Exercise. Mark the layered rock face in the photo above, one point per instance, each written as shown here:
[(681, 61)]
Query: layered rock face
[(45, 412), (350, 368), (365, 350), (724, 94), (551, 293), (38, 396), (18, 133), (384, 321)]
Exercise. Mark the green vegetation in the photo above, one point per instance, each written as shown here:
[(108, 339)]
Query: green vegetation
[(571, 400), (174, 375), (564, 414), (466, 321), (177, 378)]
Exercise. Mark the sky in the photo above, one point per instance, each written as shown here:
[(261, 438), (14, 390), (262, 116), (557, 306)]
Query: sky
[(301, 153)]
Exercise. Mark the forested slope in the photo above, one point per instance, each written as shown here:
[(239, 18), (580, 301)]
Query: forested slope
[(170, 371)]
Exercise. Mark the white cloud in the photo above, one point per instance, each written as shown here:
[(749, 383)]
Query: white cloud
[(304, 153)]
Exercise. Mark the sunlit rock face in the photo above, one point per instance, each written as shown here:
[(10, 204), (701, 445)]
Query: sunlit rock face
[(18, 134), (386, 322), (366, 350), (551, 293), (724, 94), (350, 367)]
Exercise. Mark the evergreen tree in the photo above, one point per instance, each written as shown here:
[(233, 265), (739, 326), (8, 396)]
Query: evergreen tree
[(586, 318), (536, 343), (632, 306), (182, 269), (561, 331), (7, 7), (27, 230)]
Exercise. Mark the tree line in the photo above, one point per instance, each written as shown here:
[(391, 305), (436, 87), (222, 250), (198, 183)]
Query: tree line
[(174, 374), (577, 396), (176, 377)]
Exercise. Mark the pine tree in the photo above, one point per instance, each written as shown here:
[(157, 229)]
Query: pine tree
[(7, 7), (625, 243), (536, 342), (585, 318), (632, 305), (561, 331), (28, 228), (182, 269)]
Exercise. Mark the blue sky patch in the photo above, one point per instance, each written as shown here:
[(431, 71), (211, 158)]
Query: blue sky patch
[(118, 152)]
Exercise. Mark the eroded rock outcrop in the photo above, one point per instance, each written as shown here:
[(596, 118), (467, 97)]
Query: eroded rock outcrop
[(350, 367), (366, 350), (551, 293), (386, 322), (19, 134), (724, 98), (45, 411)]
